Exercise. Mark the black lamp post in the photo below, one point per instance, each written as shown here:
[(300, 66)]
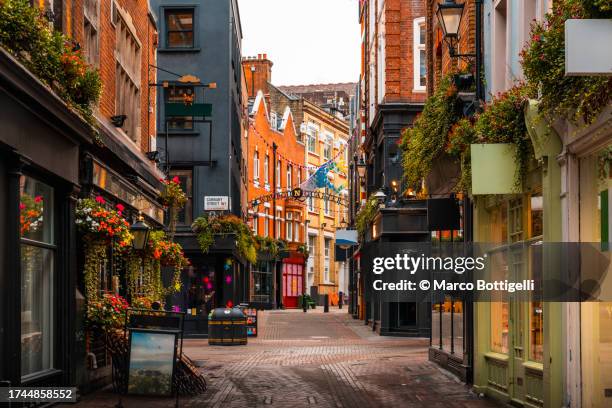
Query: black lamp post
[(450, 14), (361, 169), (140, 231)]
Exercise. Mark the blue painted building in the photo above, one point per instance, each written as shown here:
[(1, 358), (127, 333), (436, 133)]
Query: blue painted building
[(202, 39)]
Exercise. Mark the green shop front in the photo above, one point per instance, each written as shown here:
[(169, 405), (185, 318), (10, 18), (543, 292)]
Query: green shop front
[(518, 355)]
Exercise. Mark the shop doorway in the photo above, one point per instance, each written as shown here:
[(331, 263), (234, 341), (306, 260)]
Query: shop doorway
[(293, 281), (402, 315)]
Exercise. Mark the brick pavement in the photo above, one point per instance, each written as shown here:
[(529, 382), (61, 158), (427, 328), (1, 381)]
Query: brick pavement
[(316, 360)]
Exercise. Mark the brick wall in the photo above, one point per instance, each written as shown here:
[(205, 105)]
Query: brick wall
[(257, 80), (261, 137), (439, 62), (146, 33)]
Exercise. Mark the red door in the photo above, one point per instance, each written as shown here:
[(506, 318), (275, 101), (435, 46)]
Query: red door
[(293, 278)]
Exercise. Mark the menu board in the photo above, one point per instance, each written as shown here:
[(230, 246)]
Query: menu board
[(251, 321)]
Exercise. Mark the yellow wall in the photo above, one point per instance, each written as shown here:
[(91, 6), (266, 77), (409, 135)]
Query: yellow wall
[(320, 224)]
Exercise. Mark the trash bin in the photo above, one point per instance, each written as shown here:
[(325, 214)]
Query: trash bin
[(227, 327)]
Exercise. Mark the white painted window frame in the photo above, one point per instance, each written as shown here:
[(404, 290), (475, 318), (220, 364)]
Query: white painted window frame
[(417, 47)]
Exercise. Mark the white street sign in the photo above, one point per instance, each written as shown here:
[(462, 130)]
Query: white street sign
[(216, 203)]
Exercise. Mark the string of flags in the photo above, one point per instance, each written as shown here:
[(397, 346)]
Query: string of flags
[(320, 179)]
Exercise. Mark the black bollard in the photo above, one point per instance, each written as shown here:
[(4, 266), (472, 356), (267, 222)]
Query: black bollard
[(304, 304), (340, 300), (326, 304)]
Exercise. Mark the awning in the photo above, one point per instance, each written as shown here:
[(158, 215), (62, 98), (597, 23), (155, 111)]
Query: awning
[(345, 237)]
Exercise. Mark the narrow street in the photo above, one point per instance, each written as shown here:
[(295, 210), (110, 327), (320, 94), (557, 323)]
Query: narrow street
[(316, 360)]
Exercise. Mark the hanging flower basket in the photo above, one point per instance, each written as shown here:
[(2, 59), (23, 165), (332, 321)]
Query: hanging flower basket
[(101, 223)]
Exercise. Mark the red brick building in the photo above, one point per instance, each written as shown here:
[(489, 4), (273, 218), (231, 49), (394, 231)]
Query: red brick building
[(120, 38), (393, 82), (273, 281), (393, 89)]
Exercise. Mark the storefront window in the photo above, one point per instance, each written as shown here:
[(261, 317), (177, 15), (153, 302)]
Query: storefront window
[(446, 325), (185, 215), (262, 283), (500, 308), (536, 346), (536, 214), (201, 294), (499, 327), (458, 335), (435, 324), (37, 276)]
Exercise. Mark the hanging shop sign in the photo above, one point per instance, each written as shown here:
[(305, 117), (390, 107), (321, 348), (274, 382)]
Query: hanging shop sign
[(298, 194), (195, 109), (216, 203), (583, 56)]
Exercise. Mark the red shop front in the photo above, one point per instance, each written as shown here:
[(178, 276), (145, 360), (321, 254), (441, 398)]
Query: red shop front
[(293, 281)]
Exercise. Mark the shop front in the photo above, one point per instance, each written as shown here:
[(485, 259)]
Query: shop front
[(39, 162), (587, 218), (218, 278), (518, 355), (294, 283)]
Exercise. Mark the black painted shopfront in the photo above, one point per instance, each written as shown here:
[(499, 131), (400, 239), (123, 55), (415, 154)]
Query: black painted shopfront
[(39, 164), (48, 160)]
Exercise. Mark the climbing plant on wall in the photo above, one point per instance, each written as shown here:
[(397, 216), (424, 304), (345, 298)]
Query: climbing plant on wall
[(578, 98), (206, 227), (426, 139)]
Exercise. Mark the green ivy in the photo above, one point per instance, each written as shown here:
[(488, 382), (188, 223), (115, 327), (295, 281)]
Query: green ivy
[(503, 121), (49, 55), (577, 98), (461, 136), (426, 140), (366, 215), (270, 245), (206, 227)]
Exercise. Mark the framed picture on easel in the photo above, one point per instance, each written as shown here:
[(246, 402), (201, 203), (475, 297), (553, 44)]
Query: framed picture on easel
[(152, 361)]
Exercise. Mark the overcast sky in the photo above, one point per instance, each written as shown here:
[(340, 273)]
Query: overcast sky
[(309, 41)]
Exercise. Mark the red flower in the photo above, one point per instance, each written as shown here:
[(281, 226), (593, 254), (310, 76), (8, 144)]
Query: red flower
[(176, 180), (22, 206), (100, 199), (38, 199), (120, 207)]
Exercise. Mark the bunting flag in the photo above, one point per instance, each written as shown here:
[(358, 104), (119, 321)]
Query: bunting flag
[(320, 178)]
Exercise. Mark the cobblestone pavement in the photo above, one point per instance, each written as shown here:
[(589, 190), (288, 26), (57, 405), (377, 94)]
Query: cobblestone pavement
[(316, 360)]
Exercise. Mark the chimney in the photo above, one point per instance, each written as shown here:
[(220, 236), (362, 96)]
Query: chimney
[(257, 73)]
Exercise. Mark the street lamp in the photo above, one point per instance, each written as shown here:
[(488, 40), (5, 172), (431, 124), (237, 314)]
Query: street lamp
[(449, 15), (361, 169), (343, 223), (380, 196), (140, 231)]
